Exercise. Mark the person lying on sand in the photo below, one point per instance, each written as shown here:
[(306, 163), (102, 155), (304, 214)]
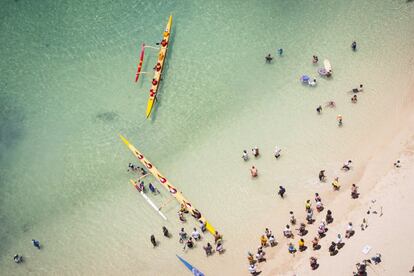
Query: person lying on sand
[(359, 89)]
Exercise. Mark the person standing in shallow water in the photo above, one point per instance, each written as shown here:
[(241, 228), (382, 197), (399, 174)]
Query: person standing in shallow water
[(36, 243), (268, 58), (319, 109), (245, 156), (277, 152), (354, 46), (282, 191), (153, 241), (322, 176)]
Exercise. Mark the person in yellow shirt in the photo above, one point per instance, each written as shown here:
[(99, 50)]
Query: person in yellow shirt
[(302, 246), (263, 240), (308, 204), (335, 184)]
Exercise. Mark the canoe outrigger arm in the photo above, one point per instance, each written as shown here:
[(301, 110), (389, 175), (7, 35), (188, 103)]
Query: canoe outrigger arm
[(167, 185)]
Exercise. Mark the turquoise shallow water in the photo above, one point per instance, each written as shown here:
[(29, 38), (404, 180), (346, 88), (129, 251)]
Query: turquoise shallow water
[(67, 90)]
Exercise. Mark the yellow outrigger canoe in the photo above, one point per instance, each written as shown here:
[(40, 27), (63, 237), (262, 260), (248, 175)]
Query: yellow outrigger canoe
[(166, 183), (158, 71)]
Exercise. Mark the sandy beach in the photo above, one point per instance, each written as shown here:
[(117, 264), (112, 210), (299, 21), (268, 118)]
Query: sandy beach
[(386, 205)]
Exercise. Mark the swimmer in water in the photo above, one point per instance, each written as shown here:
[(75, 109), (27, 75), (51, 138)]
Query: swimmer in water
[(354, 46), (253, 171), (245, 156), (354, 99), (277, 152), (319, 109), (312, 82), (280, 51), (339, 118), (330, 104), (315, 59), (268, 58), (255, 151), (359, 89)]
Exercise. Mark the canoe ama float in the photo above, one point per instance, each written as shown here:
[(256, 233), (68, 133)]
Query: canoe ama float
[(147, 199), (157, 74), (167, 185)]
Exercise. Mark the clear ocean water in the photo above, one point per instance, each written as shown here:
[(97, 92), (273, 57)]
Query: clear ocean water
[(67, 90)]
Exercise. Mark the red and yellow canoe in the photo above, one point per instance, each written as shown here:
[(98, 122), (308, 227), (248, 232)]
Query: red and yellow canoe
[(159, 67), (167, 185)]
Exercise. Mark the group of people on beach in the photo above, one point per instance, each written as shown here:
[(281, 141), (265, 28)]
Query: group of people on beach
[(269, 239), (255, 152)]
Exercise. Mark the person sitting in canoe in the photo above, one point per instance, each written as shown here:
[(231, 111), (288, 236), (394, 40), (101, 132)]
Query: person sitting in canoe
[(183, 208), (154, 82), (157, 67), (196, 214), (164, 43)]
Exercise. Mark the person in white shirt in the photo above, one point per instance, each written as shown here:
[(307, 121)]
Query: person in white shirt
[(196, 235), (277, 152), (245, 155)]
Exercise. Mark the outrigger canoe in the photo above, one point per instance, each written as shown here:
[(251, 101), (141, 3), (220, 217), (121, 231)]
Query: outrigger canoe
[(157, 72), (167, 185), (147, 199), (194, 270)]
